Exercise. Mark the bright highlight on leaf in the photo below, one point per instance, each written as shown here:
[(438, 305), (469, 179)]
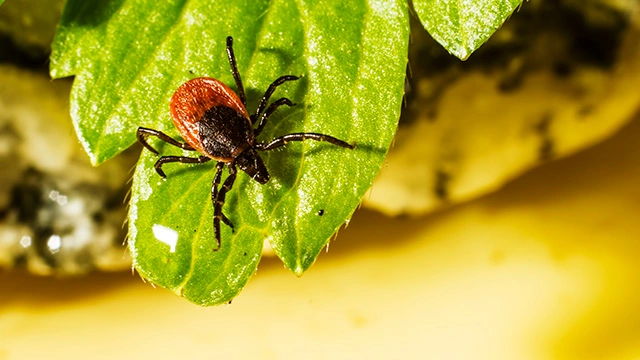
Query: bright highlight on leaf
[(130, 56), (166, 235), (461, 26)]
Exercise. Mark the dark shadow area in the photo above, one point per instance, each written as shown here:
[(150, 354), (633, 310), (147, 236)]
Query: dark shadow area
[(89, 13), (18, 288), (33, 57)]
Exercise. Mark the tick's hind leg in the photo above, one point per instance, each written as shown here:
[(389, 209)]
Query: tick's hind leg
[(214, 193), (143, 133), (218, 198), (283, 140), (181, 159)]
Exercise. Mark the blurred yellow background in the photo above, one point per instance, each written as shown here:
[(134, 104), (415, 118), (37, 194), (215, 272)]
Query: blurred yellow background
[(546, 268)]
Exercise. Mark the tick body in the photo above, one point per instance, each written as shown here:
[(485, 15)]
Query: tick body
[(213, 120)]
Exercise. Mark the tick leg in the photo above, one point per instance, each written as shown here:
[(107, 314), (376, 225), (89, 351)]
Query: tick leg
[(181, 159), (234, 70), (214, 193), (283, 140), (218, 199), (144, 132), (269, 92), (274, 105), (228, 222)]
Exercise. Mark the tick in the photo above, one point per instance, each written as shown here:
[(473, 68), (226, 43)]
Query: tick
[(213, 120)]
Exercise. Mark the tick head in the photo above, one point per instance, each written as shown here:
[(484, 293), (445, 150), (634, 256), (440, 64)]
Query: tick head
[(250, 162)]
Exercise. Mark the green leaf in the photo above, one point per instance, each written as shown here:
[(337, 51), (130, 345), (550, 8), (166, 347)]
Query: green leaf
[(124, 56), (462, 26), (1, 1), (172, 241), (130, 56)]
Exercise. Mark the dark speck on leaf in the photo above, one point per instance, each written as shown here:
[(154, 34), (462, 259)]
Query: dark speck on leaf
[(321, 212)]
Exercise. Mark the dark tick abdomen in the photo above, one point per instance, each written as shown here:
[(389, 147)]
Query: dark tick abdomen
[(224, 132)]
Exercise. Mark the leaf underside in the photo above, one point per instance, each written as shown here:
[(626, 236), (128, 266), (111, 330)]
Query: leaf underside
[(130, 56)]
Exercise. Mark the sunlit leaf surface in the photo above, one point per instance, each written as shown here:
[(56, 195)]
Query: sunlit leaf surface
[(461, 26)]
